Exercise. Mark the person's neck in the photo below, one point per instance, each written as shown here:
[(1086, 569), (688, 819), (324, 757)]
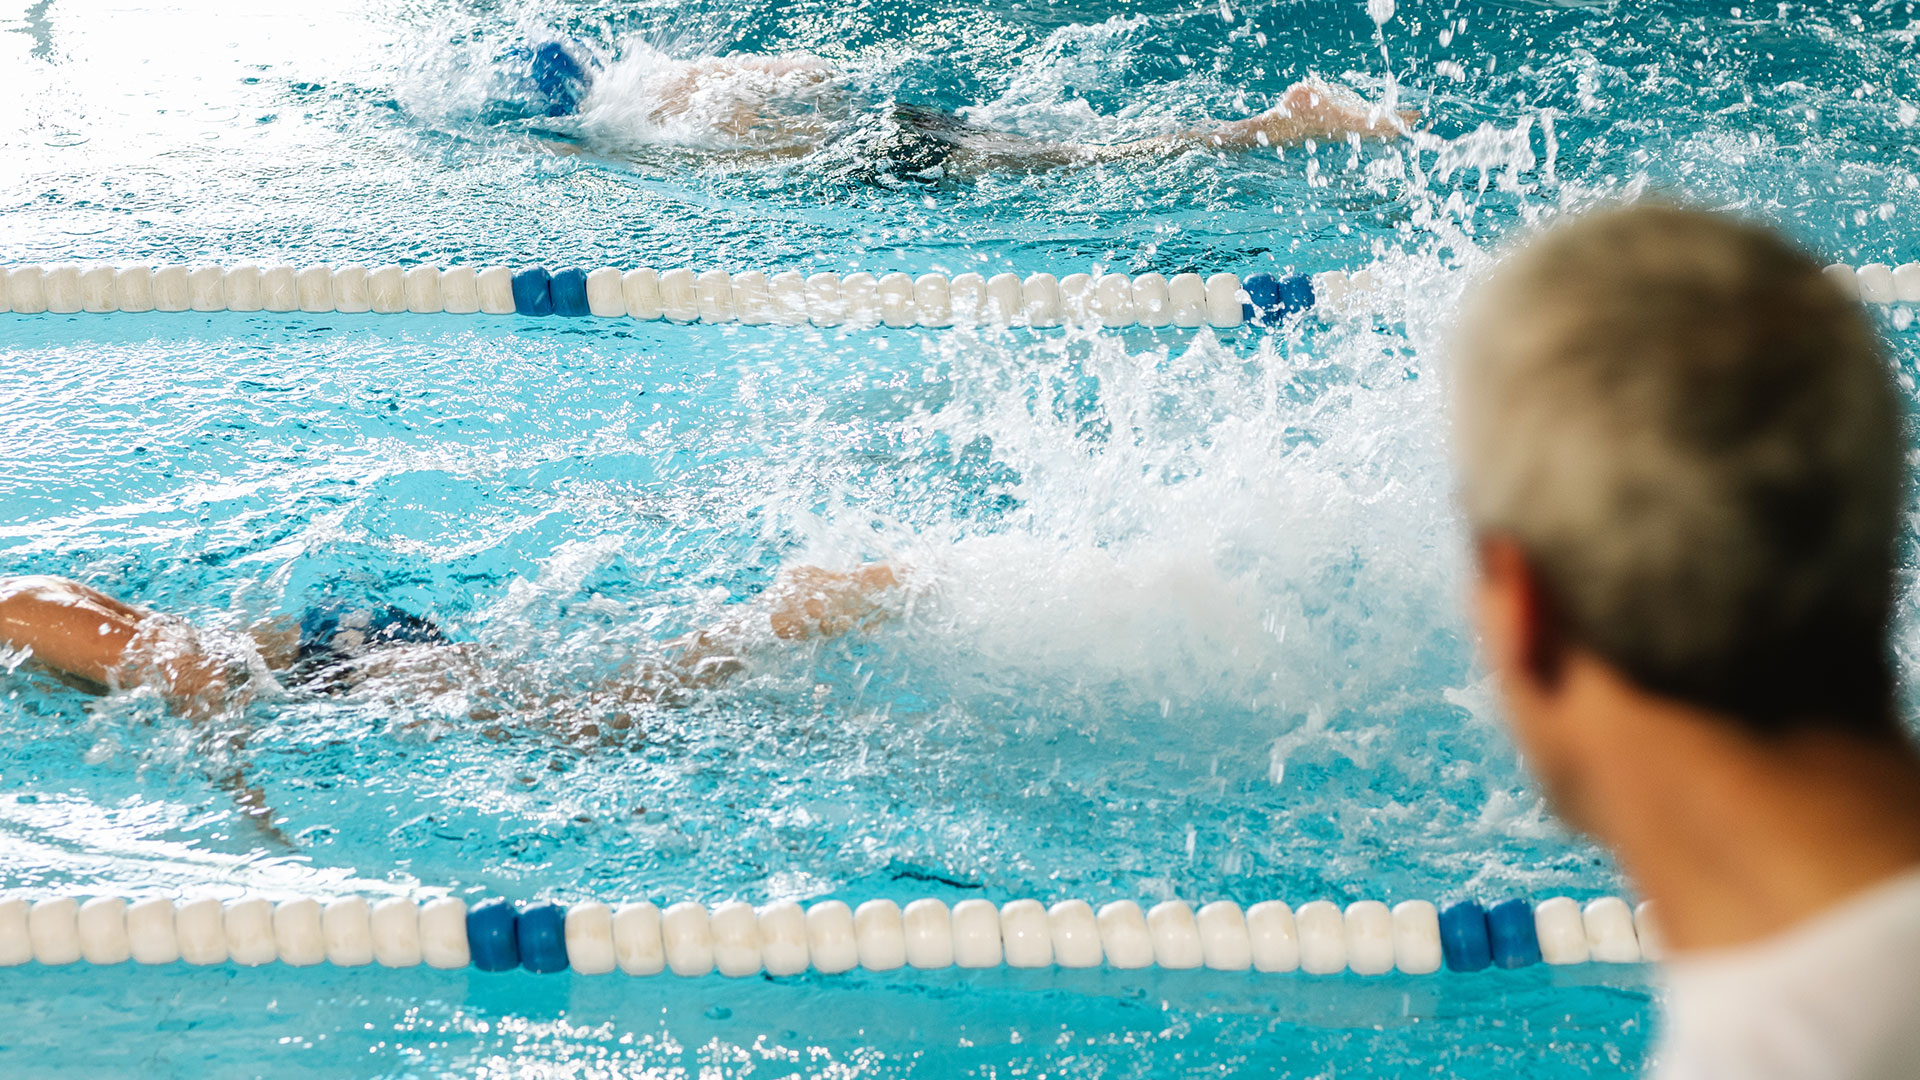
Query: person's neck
[(1733, 837)]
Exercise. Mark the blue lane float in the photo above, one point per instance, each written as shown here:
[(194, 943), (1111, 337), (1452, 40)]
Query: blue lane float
[(568, 292), (493, 936), (542, 938), (1511, 936), (1464, 938), (828, 937), (531, 291)]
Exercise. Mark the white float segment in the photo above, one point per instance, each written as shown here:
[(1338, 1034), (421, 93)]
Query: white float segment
[(1842, 275), (967, 298), (679, 296), (735, 927), (1610, 936), (1176, 936), (387, 290), (299, 932), (640, 287), (132, 289), (16, 946), (1224, 941), (1562, 931), (830, 937), (352, 292), (53, 926), (443, 933), (1124, 937), (248, 924), (172, 292), (395, 921), (752, 297), (976, 934), (605, 301), (789, 292), (1876, 283), (495, 285), (1329, 288), (1225, 301), (279, 292), (589, 926), (879, 935), (1112, 301), (150, 932), (96, 289), (825, 307), (1359, 282), (1369, 938), (1040, 295), (1026, 938), (243, 287), (347, 924), (713, 292), (5, 303), (1152, 305), (928, 926), (861, 293), (207, 286), (783, 930), (460, 290), (61, 282), (1187, 293), (26, 290), (686, 931), (1906, 283), (423, 289), (1323, 937), (1416, 937), (1646, 928), (933, 300), (1076, 295), (199, 925), (637, 944), (1275, 935), (896, 300), (313, 285), (1076, 934), (102, 924), (1005, 301)]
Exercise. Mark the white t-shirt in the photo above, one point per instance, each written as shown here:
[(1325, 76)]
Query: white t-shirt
[(1835, 998)]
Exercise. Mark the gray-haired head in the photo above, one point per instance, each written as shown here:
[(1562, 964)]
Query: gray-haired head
[(1693, 435)]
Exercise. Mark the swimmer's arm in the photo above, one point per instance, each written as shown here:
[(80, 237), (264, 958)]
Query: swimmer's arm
[(84, 633), (1308, 110), (804, 602)]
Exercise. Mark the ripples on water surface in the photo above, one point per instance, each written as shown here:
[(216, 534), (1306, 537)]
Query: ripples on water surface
[(1188, 623)]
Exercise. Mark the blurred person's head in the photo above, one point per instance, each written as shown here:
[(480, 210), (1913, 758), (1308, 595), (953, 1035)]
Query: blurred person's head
[(1680, 454)]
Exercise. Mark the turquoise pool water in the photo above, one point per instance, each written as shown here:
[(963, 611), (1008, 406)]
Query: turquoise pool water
[(1187, 622)]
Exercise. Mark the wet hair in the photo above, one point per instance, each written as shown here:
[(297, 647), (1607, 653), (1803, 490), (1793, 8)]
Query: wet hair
[(1694, 436)]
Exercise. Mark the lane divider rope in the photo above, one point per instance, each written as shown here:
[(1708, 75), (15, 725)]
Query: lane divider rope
[(680, 295), (782, 938)]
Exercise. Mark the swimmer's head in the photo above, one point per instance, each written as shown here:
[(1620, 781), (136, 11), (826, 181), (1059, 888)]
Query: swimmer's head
[(561, 77), (1680, 443)]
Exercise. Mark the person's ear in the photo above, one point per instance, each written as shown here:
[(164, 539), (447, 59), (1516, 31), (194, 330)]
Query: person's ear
[(1515, 616)]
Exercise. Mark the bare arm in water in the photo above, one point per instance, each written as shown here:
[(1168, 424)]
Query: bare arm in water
[(86, 636), (778, 105)]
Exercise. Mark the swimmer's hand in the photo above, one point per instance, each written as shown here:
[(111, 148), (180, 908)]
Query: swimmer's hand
[(808, 601)]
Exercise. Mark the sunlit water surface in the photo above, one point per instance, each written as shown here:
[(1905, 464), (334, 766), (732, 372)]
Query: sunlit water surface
[(1185, 608)]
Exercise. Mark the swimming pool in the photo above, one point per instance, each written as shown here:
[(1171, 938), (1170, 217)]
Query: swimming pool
[(1189, 625)]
